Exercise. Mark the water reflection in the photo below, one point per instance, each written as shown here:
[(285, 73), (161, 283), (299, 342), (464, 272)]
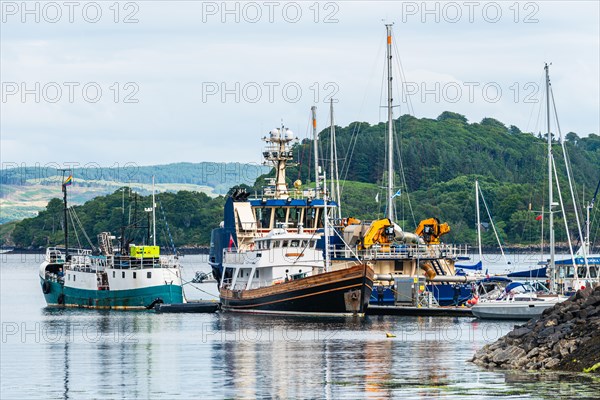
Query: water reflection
[(68, 354)]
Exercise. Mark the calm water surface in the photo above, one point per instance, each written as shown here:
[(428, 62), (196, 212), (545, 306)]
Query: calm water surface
[(79, 354)]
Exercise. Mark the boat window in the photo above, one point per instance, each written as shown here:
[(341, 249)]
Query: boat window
[(294, 217), (280, 213), (285, 243), (263, 216), (69, 277), (114, 274), (149, 274), (123, 274), (240, 273), (134, 275), (294, 243), (268, 244), (276, 243), (74, 276), (309, 218), (319, 218), (303, 243), (313, 244), (257, 274)]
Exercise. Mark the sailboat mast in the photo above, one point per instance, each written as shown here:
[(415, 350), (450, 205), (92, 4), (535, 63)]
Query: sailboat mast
[(313, 111), (478, 219), (390, 207), (153, 214), (550, 194)]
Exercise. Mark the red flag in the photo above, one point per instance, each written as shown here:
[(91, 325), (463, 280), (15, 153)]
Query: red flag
[(231, 242), (538, 218)]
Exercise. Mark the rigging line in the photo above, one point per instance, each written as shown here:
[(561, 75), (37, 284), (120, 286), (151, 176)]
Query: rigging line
[(533, 106), (196, 287), (310, 149), (569, 177), (403, 176), (400, 68), (350, 153), (493, 226), (82, 228), (74, 227), (172, 242), (564, 217)]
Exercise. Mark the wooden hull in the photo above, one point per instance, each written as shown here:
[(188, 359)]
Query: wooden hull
[(344, 292)]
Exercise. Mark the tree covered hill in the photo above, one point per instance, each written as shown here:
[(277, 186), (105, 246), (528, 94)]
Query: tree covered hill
[(187, 216), (26, 190), (441, 159)]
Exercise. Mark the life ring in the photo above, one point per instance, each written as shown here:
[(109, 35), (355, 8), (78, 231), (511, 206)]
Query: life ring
[(46, 287), (61, 299)]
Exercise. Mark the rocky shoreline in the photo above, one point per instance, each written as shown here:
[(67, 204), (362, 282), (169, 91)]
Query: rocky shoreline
[(566, 337)]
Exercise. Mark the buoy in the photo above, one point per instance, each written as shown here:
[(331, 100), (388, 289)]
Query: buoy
[(389, 335)]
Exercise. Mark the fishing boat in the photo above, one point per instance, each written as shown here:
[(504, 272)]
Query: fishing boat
[(272, 254), (129, 277)]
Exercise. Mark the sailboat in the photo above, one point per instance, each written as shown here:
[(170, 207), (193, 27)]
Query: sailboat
[(528, 304), (124, 278)]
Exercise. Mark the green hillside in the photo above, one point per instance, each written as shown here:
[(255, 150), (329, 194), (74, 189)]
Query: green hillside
[(440, 161)]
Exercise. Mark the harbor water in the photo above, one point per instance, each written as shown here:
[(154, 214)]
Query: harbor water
[(81, 354)]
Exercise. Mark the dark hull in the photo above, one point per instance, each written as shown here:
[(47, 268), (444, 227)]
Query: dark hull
[(340, 292)]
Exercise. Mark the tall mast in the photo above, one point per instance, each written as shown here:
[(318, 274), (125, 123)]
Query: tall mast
[(326, 226), (313, 111), (390, 205), (153, 214), (550, 194), (334, 176), (478, 219)]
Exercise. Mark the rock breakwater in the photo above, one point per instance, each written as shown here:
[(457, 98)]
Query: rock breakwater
[(565, 337)]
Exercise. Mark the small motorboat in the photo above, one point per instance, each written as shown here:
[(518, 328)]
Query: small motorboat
[(519, 301)]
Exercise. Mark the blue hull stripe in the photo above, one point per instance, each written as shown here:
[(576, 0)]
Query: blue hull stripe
[(106, 299)]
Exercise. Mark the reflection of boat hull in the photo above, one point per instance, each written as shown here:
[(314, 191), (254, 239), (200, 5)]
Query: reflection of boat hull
[(518, 310), (139, 298), (345, 291)]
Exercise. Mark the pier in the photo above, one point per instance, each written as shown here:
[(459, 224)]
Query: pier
[(420, 311)]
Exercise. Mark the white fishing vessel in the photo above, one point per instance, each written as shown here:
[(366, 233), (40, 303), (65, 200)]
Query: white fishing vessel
[(285, 268), (126, 277)]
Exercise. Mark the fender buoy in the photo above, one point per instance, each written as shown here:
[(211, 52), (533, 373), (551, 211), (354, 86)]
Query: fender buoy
[(61, 299), (46, 287)]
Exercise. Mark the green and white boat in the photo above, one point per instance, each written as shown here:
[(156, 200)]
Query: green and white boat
[(129, 277)]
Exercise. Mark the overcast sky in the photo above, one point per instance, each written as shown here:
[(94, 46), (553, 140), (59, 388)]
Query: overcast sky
[(193, 81)]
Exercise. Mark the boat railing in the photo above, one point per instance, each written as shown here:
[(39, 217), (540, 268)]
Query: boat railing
[(416, 251)]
